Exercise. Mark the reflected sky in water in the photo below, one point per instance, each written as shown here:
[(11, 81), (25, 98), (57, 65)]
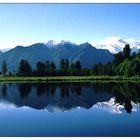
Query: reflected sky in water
[(70, 109)]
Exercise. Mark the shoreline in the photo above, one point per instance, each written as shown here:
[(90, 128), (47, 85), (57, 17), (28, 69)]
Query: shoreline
[(70, 79)]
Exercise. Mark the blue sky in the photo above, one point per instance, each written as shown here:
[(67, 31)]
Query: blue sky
[(25, 24)]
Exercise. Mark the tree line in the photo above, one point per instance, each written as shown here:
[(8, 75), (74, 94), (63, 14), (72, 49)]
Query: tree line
[(47, 68), (124, 63)]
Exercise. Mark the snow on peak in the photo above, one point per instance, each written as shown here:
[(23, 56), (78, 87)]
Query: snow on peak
[(111, 40), (51, 43), (131, 40), (116, 44), (63, 42)]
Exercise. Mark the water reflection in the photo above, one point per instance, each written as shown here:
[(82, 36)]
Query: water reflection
[(4, 90), (24, 89), (66, 96)]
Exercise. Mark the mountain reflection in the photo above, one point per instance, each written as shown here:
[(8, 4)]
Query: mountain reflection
[(65, 96)]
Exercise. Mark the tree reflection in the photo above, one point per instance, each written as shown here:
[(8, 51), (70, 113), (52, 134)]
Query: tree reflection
[(40, 89), (64, 91), (24, 89), (4, 90), (124, 93), (128, 106), (52, 90), (78, 90)]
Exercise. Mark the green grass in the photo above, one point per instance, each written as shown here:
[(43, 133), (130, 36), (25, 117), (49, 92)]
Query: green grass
[(68, 79)]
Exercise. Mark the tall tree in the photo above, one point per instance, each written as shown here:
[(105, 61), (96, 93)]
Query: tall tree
[(95, 69), (67, 63), (24, 68), (72, 66), (4, 68), (77, 65), (125, 68), (135, 66), (77, 68), (52, 66), (62, 64), (118, 58), (126, 51), (47, 65), (40, 68)]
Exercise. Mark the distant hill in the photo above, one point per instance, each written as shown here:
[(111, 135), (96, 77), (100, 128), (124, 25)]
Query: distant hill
[(86, 53)]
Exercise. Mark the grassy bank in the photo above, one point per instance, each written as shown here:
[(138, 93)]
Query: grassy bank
[(68, 79)]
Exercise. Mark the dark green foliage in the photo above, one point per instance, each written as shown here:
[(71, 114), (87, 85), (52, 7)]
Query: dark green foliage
[(95, 69), (62, 64), (52, 66), (4, 68), (109, 69), (124, 64), (40, 68), (125, 68), (135, 66), (24, 68), (10, 74), (64, 67), (67, 63), (76, 68), (47, 65), (72, 66), (130, 66), (118, 58), (77, 65), (126, 52)]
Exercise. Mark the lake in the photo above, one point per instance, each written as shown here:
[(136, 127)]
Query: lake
[(70, 109)]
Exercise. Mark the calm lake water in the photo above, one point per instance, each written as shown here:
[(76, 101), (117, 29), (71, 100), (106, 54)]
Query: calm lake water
[(69, 109)]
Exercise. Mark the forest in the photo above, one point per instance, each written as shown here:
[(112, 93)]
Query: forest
[(124, 63)]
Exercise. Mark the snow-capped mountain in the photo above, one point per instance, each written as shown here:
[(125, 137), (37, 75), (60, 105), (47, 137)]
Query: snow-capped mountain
[(85, 53), (51, 43), (116, 44), (55, 44)]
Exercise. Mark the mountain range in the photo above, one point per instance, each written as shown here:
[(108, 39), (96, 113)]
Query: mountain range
[(86, 53)]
